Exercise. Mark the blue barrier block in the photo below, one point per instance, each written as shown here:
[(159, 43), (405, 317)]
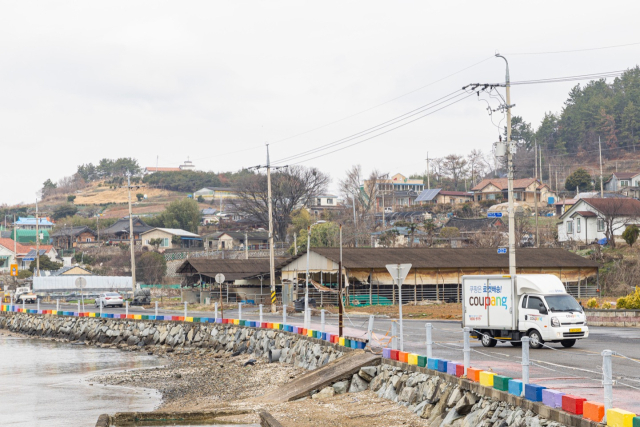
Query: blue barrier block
[(442, 365), (533, 392), (515, 387), (354, 344), (204, 320), (432, 364)]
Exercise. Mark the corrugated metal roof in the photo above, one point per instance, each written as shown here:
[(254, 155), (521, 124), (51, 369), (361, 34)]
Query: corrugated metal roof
[(233, 269), (454, 258), (428, 195)]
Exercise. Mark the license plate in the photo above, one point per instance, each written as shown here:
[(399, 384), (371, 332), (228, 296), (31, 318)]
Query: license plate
[(575, 330)]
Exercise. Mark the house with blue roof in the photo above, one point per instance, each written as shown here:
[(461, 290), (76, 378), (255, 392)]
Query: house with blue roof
[(29, 223)]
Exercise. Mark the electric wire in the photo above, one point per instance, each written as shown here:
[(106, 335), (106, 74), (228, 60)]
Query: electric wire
[(572, 50)]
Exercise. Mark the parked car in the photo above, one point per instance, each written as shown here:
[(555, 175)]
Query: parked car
[(110, 299)]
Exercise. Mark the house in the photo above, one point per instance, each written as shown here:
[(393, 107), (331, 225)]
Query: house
[(187, 165), (236, 240), (562, 205), (154, 169), (27, 253), (524, 190), (119, 232), (72, 237), (401, 237), (323, 202), (587, 220), (29, 223), (29, 236), (620, 180), (217, 193), (171, 238), (395, 191), (7, 254), (209, 216), (440, 196), (70, 270), (206, 193)]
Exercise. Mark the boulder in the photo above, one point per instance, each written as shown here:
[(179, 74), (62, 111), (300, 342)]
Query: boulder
[(341, 387), (358, 384), (367, 373), (325, 393)]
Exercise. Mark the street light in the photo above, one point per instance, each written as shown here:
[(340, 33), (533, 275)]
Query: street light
[(398, 274)]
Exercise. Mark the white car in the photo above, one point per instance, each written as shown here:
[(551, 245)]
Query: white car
[(110, 299)]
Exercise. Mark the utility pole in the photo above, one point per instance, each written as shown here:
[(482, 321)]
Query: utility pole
[(131, 238), (600, 149), (246, 246), (272, 272), (15, 246), (510, 148), (340, 304), (535, 199), (37, 241), (540, 164), (428, 181), (535, 161)]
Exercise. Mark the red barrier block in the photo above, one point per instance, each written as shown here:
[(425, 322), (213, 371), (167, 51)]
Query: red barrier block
[(180, 318), (593, 411), (573, 404), (459, 370), (474, 374), (303, 331), (394, 354), (403, 356)]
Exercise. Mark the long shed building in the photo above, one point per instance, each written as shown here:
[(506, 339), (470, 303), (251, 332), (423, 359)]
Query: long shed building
[(435, 274)]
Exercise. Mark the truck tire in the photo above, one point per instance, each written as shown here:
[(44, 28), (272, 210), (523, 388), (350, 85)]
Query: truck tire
[(516, 343), (487, 339), (535, 339), (568, 343)]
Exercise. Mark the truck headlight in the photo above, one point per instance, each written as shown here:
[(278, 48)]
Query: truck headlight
[(555, 322)]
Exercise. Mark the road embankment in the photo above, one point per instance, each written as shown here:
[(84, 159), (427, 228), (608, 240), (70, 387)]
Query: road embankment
[(613, 318)]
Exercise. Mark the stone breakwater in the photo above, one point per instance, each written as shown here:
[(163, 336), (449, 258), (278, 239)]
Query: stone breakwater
[(437, 399), (301, 351)]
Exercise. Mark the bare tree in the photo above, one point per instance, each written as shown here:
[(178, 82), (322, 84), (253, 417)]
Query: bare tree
[(455, 167), (477, 165), (353, 186), (291, 188)]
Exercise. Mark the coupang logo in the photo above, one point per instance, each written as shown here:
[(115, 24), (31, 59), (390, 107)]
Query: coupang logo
[(487, 301)]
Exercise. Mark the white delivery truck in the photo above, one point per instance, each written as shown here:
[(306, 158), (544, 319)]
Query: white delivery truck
[(506, 308)]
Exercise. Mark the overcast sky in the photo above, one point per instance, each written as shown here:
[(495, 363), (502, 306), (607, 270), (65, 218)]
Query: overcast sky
[(215, 80)]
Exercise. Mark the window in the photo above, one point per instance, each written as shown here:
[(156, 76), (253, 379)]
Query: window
[(319, 202), (569, 227), (329, 201), (624, 183), (535, 303), (524, 301), (146, 242), (600, 224), (165, 242), (88, 240), (578, 224)]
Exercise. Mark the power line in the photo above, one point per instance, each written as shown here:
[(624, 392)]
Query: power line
[(387, 123), (382, 133)]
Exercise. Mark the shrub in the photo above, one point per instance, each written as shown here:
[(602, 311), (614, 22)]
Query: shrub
[(621, 303), (592, 303), (606, 306), (630, 234), (71, 198), (631, 301)]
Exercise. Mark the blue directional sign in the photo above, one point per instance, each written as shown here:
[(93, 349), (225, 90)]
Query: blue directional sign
[(494, 214), (28, 259), (502, 250)]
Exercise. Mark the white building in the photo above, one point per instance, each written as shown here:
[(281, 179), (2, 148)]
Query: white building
[(586, 220)]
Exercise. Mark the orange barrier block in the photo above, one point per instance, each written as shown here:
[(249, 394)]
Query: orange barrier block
[(593, 411), (474, 374), (403, 356)]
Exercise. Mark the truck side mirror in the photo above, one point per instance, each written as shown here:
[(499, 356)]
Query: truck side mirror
[(543, 309)]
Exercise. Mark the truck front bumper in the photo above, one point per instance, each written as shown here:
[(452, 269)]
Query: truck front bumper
[(566, 333)]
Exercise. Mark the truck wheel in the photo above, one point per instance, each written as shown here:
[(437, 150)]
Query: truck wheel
[(568, 343), (516, 344), (535, 340), (487, 340)]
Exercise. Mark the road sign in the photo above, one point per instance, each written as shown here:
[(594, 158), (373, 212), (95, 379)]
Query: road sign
[(14, 270), (494, 214), (219, 278), (398, 272), (502, 250), (81, 283), (28, 259)]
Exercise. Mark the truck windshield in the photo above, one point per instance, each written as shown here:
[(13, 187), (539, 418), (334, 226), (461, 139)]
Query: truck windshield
[(562, 303)]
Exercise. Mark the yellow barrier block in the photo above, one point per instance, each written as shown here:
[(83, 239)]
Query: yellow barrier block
[(619, 418), (341, 341), (92, 315), (310, 334), (54, 311), (276, 325), (412, 358), (235, 321), (137, 317), (486, 378), (188, 319)]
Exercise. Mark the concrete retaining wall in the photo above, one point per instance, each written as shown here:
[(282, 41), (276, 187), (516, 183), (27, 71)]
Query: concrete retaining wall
[(620, 318), (302, 351)]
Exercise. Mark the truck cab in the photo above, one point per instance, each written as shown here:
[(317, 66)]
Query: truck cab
[(554, 318)]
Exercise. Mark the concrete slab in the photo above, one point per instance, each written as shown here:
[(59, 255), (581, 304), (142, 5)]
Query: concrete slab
[(342, 368)]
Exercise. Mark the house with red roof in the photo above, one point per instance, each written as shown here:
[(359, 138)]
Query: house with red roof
[(23, 253)]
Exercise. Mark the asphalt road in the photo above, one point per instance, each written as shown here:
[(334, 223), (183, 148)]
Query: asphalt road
[(576, 371)]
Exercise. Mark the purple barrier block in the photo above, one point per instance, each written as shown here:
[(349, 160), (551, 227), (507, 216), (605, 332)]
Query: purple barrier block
[(451, 368), (218, 320), (295, 329), (386, 353), (552, 398)]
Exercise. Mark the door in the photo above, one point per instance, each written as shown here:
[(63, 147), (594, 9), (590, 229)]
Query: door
[(533, 314)]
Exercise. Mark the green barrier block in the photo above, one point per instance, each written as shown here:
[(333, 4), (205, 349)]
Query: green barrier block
[(501, 383), (196, 320), (422, 361), (347, 342), (145, 317), (280, 326)]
